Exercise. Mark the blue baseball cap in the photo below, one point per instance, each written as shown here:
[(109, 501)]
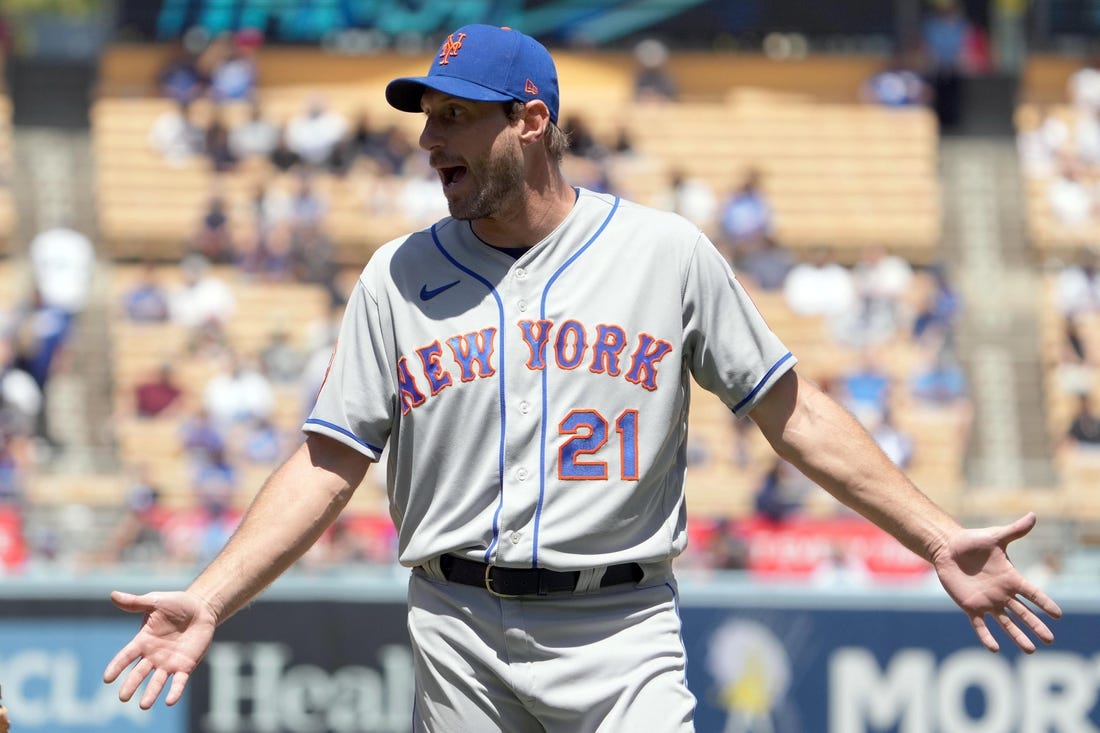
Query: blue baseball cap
[(484, 63)]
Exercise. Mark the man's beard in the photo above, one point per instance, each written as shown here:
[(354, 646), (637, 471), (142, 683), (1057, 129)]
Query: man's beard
[(500, 182)]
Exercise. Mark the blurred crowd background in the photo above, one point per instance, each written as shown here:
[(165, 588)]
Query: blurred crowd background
[(188, 191)]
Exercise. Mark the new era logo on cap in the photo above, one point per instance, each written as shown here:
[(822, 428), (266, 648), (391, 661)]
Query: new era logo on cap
[(484, 63)]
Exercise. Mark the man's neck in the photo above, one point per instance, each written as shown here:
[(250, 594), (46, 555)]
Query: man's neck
[(537, 215)]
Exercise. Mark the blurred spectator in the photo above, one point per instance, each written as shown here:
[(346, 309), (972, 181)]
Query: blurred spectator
[(897, 84), (766, 265), (14, 465), (1073, 343), (216, 145), (217, 523), (1083, 85), (208, 341), (43, 333), (262, 443), (179, 79), (200, 436), (1039, 138), (146, 301), (202, 297), (1075, 368), (725, 548), (284, 158), (582, 141), (316, 133), (214, 479), (266, 253), (175, 136), (882, 283), (392, 152), (842, 567), (690, 197), (1077, 287), (652, 80), (882, 277), (62, 262), (944, 32), (239, 392), (256, 137), (346, 544), (157, 394), (307, 208), (21, 398), (217, 50), (623, 142), (214, 238), (364, 141), (280, 360), (941, 381), (820, 286), (138, 536), (745, 218), (234, 76), (312, 260), (936, 305), (866, 388), (782, 492), (1086, 139), (1084, 426), (1071, 199), (896, 443)]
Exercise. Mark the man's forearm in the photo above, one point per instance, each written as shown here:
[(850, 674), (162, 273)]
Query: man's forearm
[(823, 440), (296, 504)]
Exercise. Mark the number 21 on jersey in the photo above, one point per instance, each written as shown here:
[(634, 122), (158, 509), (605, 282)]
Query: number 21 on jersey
[(586, 434)]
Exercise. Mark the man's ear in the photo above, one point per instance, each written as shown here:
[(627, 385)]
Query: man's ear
[(535, 121)]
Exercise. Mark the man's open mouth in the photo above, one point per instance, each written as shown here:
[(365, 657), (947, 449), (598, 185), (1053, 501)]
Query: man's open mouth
[(452, 175)]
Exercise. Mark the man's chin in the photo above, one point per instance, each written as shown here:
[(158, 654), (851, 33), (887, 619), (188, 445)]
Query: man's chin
[(461, 210)]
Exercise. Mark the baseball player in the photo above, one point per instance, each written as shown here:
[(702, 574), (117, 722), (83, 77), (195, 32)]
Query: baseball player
[(527, 361)]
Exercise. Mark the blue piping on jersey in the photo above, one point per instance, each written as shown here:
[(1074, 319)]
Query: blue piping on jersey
[(542, 314), (762, 382), (342, 431), (500, 457)]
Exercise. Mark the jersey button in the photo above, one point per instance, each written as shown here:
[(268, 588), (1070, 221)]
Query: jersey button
[(521, 274), (522, 305), (521, 474), (524, 407), (515, 538)]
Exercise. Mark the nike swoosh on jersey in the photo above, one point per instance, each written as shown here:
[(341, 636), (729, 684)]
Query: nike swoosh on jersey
[(426, 294)]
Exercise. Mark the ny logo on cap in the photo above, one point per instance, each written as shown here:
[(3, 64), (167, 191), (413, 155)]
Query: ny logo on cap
[(450, 48)]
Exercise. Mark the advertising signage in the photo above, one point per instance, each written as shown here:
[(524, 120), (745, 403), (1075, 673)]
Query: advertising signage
[(814, 670), (795, 663)]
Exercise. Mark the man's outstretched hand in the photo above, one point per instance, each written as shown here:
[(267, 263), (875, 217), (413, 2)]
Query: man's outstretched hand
[(175, 634), (974, 569)]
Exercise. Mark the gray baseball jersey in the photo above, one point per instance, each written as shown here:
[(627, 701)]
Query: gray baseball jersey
[(536, 408)]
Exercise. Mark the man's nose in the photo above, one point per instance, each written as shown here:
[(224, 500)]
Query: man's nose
[(429, 136)]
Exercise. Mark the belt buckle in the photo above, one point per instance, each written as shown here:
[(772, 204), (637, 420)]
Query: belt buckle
[(489, 585)]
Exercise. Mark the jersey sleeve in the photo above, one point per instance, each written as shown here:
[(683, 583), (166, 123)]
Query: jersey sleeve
[(731, 350), (356, 398)]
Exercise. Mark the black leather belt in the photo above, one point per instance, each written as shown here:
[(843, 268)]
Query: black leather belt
[(514, 582)]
